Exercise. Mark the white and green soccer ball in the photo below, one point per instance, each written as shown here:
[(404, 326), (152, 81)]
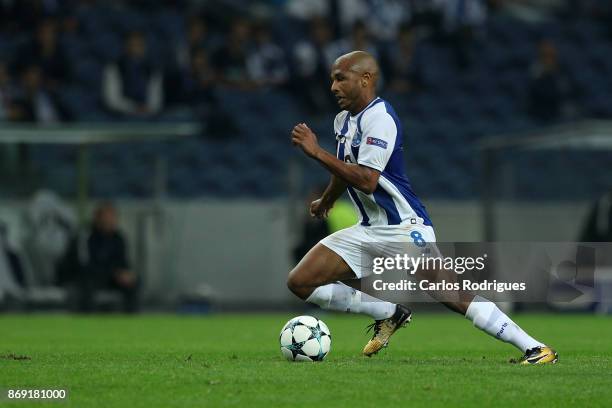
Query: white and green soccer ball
[(305, 338)]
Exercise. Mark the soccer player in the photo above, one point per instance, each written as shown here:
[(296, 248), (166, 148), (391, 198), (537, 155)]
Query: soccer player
[(369, 165)]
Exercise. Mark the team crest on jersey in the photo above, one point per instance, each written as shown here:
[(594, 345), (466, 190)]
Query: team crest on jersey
[(356, 139)]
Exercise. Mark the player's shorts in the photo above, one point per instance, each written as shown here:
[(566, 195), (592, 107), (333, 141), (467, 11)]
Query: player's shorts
[(359, 244)]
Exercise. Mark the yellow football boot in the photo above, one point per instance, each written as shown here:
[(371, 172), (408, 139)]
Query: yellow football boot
[(384, 329), (539, 355)]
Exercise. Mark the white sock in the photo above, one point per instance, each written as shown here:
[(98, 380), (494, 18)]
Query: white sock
[(343, 298), (487, 317)]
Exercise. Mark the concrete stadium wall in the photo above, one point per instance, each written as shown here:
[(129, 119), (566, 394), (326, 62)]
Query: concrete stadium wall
[(239, 252)]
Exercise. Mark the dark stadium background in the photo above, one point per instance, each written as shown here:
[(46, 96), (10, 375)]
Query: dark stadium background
[(210, 192)]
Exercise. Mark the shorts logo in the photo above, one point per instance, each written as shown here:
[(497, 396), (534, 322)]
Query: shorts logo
[(376, 142), (356, 140)]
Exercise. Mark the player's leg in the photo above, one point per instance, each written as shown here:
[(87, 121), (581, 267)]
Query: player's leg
[(316, 277), (318, 267), (486, 316)]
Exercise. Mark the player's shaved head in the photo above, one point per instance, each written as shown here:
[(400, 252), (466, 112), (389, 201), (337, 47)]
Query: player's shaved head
[(359, 62), (354, 77)]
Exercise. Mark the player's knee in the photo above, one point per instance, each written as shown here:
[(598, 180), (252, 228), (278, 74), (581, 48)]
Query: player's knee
[(298, 284), (294, 282)]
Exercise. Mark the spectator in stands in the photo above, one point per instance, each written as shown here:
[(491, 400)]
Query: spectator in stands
[(132, 86), (341, 15), (22, 15), (196, 38), (199, 81), (33, 102), (427, 18), (359, 39), (98, 261), (384, 18), (550, 87), (267, 63), (70, 24), (8, 110), (198, 89), (601, 11), (345, 13), (462, 20), (178, 72), (312, 62), (306, 10), (461, 14), (8, 18), (401, 66), (537, 11), (230, 60), (45, 52)]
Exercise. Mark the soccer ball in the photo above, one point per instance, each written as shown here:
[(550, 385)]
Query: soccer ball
[(305, 338)]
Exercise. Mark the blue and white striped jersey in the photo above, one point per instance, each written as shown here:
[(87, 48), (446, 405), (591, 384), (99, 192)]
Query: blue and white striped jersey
[(374, 138)]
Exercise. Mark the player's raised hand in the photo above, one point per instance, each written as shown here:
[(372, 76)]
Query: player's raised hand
[(302, 136), (318, 209)]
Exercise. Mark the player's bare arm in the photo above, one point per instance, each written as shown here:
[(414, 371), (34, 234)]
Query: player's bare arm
[(320, 207), (355, 175)]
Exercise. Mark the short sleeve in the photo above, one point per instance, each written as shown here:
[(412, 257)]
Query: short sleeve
[(377, 140)]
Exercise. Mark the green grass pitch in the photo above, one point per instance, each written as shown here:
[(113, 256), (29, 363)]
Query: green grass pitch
[(234, 360)]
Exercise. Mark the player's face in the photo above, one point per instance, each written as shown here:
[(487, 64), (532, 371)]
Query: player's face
[(345, 87)]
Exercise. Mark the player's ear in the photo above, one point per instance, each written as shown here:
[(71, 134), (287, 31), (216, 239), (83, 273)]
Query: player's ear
[(365, 78)]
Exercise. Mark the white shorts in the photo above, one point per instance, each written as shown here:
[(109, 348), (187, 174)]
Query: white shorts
[(358, 244)]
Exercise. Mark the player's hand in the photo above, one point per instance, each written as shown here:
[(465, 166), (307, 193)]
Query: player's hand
[(319, 209), (302, 136)]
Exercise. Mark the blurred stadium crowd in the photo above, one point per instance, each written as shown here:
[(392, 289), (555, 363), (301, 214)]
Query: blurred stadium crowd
[(455, 70)]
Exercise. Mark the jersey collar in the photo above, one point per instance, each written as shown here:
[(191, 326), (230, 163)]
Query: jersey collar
[(366, 108)]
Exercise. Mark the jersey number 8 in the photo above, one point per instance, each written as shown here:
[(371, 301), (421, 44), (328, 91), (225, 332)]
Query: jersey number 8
[(418, 238)]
